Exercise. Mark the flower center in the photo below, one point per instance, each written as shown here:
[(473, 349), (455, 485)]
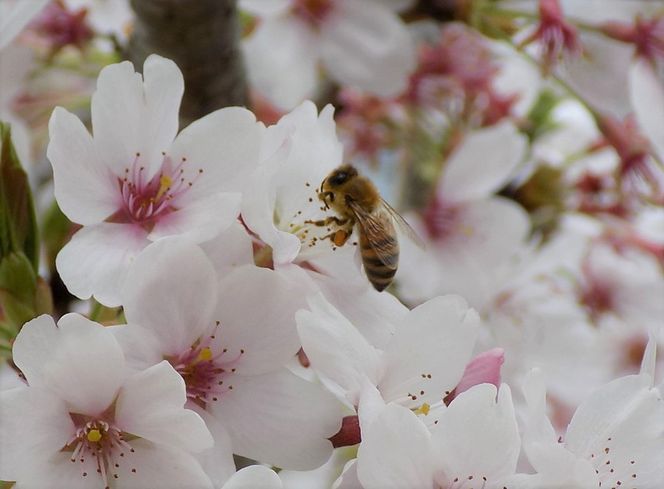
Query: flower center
[(145, 200), (614, 469), (441, 220), (312, 12), (206, 368), (102, 448)]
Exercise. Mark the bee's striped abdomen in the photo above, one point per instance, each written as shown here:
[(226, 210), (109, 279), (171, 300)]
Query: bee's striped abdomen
[(381, 269)]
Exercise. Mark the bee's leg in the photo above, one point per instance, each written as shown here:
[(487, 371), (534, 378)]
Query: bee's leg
[(341, 235), (327, 221)]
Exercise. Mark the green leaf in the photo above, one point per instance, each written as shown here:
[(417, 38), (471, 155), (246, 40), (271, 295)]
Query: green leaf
[(18, 289), (18, 225)]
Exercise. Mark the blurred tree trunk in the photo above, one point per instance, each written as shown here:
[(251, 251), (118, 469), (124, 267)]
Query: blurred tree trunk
[(203, 38)]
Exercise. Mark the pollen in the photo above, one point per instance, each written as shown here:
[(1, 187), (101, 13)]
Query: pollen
[(165, 183), (205, 354), (423, 409), (94, 436)]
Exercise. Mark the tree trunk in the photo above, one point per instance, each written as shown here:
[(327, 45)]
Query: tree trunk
[(203, 38)]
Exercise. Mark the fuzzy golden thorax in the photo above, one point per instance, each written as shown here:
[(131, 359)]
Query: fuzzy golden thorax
[(345, 185)]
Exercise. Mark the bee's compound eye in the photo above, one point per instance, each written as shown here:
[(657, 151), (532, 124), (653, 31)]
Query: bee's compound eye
[(338, 178)]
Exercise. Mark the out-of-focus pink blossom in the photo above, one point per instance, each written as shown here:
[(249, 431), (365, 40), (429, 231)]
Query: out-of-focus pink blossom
[(554, 34), (647, 36), (63, 27)]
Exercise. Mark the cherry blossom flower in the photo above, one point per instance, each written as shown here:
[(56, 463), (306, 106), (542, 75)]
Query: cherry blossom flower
[(474, 444), (615, 438), (297, 154), (442, 331), (135, 181), (361, 44), (107, 16), (86, 421), (470, 235), (230, 339)]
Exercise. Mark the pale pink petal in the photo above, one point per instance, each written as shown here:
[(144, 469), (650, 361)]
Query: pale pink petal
[(483, 163), (231, 248), (254, 477), (199, 220), (646, 93), (225, 146), (396, 5), (366, 46), (86, 191), (282, 58), (97, 258), (151, 405), (172, 290), (267, 334), (35, 426), (280, 419), (163, 87), (478, 434), (130, 117), (396, 452), (429, 351), (336, 350), (217, 461), (79, 361), (483, 369), (161, 466), (141, 346)]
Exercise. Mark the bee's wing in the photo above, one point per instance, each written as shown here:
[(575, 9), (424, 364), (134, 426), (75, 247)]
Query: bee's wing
[(377, 228), (403, 226)]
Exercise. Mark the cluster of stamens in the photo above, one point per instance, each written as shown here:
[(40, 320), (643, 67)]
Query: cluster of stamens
[(606, 467), (105, 445), (205, 369), (145, 199)]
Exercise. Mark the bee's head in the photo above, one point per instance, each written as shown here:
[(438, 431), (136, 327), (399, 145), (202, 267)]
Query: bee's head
[(338, 177)]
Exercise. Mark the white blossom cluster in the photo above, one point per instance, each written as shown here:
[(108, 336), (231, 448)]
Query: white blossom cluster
[(245, 339)]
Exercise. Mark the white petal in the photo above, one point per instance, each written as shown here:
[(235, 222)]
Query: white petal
[(429, 351), (230, 249), (199, 220), (163, 87), (151, 405), (79, 360), (646, 94), (35, 426), (172, 290), (225, 145), (254, 477), (629, 412), (336, 350), (280, 419), (86, 191), (130, 117), (217, 462), (265, 7), (483, 163), (478, 435), (396, 452), (97, 258), (161, 466), (367, 46), (14, 16), (267, 334), (141, 346), (282, 58)]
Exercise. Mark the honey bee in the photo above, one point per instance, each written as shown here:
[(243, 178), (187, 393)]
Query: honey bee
[(355, 200)]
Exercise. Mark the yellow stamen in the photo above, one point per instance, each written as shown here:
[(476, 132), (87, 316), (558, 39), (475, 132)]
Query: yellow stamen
[(94, 436), (423, 409), (165, 183), (205, 354)]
